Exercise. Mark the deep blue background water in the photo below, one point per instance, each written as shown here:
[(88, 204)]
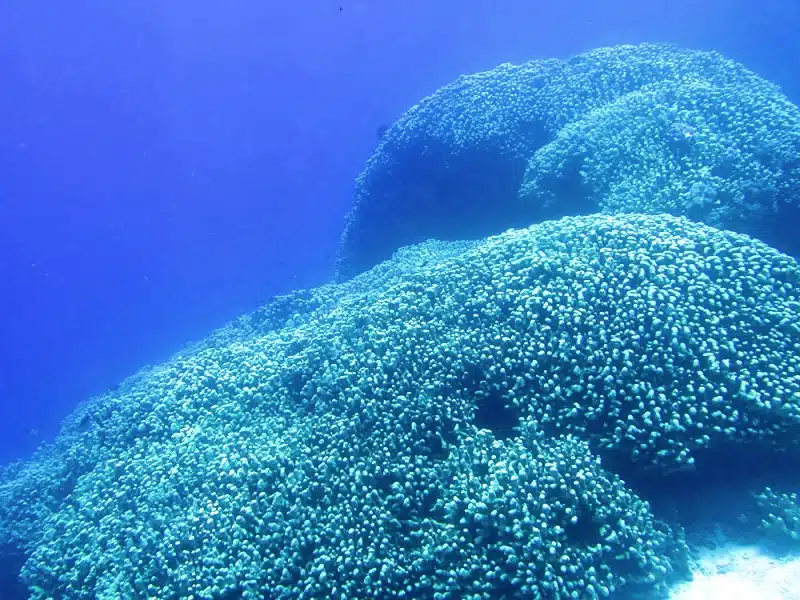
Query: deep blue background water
[(167, 166)]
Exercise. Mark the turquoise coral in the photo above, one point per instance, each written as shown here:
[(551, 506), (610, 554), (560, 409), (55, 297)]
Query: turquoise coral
[(778, 517), (456, 165), (345, 453), (466, 419), (720, 154)]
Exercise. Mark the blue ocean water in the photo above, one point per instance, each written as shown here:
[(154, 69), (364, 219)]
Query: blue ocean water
[(165, 169)]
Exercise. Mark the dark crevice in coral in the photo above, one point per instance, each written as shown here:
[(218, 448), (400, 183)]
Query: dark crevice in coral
[(307, 549), (438, 435), (498, 416), (780, 232), (443, 196), (234, 594), (717, 490), (436, 449), (570, 193), (585, 531), (384, 481)]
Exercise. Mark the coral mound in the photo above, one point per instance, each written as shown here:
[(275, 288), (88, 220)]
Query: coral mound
[(649, 128), (435, 427)]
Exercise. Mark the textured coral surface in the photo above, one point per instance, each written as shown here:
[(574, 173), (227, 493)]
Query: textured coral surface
[(433, 428)]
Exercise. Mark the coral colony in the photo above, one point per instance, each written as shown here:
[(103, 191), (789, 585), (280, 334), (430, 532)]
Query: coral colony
[(470, 419)]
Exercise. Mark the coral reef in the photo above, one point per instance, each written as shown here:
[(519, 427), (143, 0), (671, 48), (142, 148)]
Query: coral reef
[(438, 425), (640, 128), (470, 419), (778, 514), (719, 154)]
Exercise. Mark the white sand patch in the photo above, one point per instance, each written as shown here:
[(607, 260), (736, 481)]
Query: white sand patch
[(741, 573)]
